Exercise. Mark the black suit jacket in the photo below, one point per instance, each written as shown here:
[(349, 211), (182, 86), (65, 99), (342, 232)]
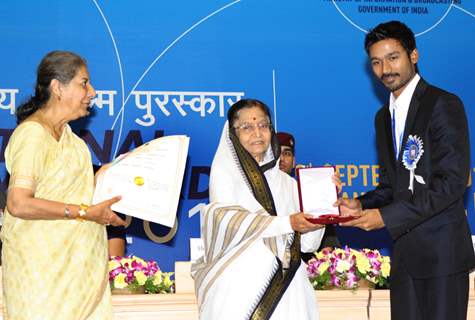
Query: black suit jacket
[(429, 226)]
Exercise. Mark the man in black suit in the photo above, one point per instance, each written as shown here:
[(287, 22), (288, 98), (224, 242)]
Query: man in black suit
[(423, 148)]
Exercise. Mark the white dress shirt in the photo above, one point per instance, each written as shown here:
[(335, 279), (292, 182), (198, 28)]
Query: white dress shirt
[(399, 107)]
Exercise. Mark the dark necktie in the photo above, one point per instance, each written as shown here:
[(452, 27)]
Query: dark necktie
[(393, 125)]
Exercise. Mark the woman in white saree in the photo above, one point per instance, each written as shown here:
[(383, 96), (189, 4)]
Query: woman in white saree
[(252, 228)]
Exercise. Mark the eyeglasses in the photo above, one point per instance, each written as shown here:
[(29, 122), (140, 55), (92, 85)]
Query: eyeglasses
[(249, 128)]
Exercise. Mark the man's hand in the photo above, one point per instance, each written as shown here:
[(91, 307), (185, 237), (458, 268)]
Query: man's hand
[(336, 180), (370, 219), (348, 207)]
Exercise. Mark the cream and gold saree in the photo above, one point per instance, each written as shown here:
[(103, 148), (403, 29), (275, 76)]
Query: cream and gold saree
[(53, 269)]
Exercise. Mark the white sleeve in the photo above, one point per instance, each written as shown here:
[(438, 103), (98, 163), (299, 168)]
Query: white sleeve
[(280, 225), (310, 241)]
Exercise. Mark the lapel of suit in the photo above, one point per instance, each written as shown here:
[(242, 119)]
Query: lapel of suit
[(412, 112)]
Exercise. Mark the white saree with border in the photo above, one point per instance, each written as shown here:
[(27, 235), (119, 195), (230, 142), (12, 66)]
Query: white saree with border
[(242, 242)]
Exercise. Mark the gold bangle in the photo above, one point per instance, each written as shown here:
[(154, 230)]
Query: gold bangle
[(67, 211), (82, 210)]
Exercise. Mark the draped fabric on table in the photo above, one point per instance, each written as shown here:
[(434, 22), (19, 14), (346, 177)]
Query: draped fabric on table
[(247, 248), (53, 269)]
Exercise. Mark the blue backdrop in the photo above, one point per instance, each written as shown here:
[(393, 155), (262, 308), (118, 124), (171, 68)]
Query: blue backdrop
[(175, 67)]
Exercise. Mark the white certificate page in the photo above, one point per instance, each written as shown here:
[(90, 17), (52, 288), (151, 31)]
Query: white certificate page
[(149, 180), (317, 191)]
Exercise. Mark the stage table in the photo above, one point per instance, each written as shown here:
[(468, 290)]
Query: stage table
[(362, 304)]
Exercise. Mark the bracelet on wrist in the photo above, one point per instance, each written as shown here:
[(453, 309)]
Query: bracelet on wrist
[(67, 211), (82, 211)]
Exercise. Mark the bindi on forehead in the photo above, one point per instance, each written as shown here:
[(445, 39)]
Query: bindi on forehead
[(253, 115)]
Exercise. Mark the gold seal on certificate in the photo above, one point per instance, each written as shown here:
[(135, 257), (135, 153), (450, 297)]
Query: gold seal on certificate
[(139, 181), (318, 193)]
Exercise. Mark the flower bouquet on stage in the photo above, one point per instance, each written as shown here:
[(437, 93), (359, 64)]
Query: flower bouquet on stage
[(348, 269), (133, 275)]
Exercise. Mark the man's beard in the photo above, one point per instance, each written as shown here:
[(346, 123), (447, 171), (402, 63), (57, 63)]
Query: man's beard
[(394, 86)]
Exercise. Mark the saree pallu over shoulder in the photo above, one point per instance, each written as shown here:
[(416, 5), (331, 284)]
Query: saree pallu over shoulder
[(53, 269), (227, 231)]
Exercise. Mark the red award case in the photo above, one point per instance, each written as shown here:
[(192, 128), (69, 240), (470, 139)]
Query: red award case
[(317, 193)]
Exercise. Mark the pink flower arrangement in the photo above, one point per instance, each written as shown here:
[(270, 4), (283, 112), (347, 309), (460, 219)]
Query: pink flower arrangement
[(344, 268), (134, 273)]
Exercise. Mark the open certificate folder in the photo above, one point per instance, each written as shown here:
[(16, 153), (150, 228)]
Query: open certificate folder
[(149, 180), (318, 193)]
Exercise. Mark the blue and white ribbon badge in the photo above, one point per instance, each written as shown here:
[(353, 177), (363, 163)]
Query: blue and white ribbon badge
[(412, 153)]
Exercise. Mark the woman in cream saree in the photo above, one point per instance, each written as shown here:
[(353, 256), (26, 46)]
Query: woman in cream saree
[(53, 269), (54, 243)]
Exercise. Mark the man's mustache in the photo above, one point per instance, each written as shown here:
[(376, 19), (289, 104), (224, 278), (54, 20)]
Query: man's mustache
[(387, 75)]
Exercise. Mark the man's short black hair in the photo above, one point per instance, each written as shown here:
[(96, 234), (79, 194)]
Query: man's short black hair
[(391, 30)]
